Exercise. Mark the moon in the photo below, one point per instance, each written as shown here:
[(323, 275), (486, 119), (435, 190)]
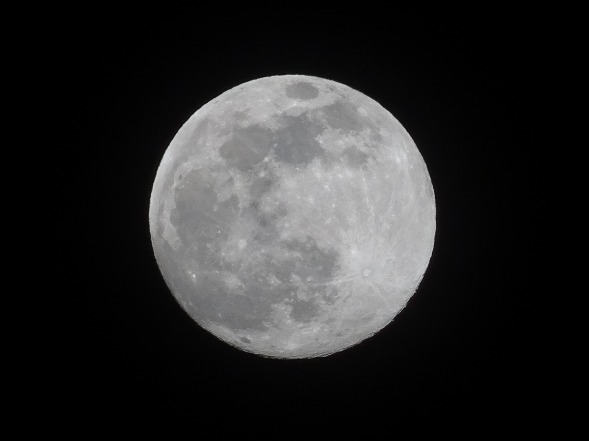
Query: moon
[(292, 217)]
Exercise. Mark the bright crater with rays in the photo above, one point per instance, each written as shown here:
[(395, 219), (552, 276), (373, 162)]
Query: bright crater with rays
[(292, 217)]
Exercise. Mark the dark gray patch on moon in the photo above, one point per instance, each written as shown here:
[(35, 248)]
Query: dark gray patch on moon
[(198, 218), (329, 295), (304, 310), (247, 147), (343, 115), (240, 115), (302, 90), (295, 143), (261, 185), (314, 267), (265, 231), (259, 295), (218, 304), (375, 137), (244, 313), (313, 263), (354, 157)]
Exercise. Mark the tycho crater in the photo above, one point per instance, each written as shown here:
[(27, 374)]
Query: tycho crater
[(292, 217)]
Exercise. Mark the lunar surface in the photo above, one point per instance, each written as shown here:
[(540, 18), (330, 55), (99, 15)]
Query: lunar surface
[(292, 217)]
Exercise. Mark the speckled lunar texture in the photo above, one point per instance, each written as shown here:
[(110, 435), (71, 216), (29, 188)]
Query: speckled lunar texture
[(292, 217)]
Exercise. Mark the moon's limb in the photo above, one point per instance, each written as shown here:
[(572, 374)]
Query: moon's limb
[(292, 216)]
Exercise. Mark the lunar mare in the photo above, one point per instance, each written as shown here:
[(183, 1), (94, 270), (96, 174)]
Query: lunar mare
[(292, 217)]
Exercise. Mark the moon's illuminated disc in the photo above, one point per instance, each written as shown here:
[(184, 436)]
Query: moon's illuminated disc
[(292, 216)]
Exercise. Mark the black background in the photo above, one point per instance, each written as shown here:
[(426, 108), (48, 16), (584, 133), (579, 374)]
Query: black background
[(460, 81)]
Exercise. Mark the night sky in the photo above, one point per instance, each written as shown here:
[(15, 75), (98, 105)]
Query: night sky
[(462, 86)]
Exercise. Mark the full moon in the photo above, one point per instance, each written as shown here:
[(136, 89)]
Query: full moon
[(292, 217)]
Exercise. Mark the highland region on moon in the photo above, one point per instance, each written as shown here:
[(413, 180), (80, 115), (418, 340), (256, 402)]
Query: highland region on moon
[(292, 217)]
